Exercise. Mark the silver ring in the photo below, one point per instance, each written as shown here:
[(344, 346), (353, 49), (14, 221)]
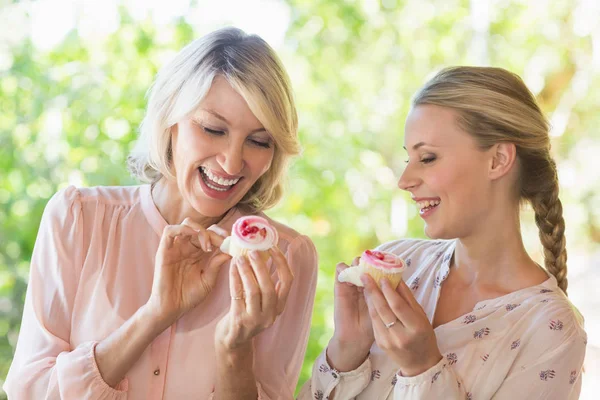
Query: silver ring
[(237, 298), (391, 324)]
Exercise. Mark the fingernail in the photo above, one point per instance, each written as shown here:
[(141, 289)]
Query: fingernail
[(254, 254), (384, 282)]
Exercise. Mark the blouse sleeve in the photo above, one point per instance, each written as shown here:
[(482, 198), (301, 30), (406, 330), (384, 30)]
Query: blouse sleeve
[(44, 365), (438, 382), (325, 379), (553, 367), (549, 366)]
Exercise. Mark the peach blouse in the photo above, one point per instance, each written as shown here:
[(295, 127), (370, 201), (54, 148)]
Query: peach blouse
[(92, 268)]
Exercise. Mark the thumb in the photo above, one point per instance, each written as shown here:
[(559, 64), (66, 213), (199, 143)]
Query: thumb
[(215, 263), (339, 268)]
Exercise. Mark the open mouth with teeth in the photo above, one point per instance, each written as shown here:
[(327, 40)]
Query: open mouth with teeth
[(427, 205), (217, 183)]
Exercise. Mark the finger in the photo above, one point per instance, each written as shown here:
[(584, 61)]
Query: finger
[(285, 277), (216, 235), (398, 304), (236, 289), (404, 291), (267, 288), (356, 261), (338, 269), (214, 239), (171, 232), (201, 234), (378, 303), (168, 237), (214, 266), (251, 288), (344, 289), (218, 230), (377, 324)]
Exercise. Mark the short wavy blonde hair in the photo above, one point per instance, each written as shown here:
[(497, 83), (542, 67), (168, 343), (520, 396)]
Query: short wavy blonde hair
[(254, 70)]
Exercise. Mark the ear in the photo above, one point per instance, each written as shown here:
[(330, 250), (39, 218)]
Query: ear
[(504, 156)]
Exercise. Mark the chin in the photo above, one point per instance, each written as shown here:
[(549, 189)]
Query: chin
[(436, 234), (210, 208)]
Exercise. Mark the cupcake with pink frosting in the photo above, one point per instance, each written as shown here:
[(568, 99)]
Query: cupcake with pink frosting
[(378, 264), (250, 233)]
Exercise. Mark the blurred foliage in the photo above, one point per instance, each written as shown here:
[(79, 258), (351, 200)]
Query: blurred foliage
[(70, 115)]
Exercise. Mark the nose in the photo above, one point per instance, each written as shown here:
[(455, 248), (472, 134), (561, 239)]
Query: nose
[(408, 180), (231, 158)]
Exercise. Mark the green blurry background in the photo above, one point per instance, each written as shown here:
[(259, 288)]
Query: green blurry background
[(73, 76)]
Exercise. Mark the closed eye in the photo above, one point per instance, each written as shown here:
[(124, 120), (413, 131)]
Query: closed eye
[(213, 131), (428, 160), (260, 143)]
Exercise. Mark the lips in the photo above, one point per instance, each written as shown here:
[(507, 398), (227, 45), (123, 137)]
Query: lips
[(215, 182), (219, 180)]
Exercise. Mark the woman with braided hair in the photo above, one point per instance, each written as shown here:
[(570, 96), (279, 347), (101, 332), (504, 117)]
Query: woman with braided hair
[(474, 317)]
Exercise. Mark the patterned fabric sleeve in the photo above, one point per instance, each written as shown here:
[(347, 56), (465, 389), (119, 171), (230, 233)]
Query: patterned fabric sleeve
[(325, 379), (554, 373), (438, 382)]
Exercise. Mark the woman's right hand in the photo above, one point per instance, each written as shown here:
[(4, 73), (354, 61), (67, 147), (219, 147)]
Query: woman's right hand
[(185, 270), (353, 335)]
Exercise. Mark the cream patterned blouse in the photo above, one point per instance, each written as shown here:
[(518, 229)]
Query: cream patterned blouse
[(529, 344)]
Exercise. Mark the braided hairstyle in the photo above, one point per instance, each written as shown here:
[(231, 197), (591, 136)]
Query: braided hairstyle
[(495, 106)]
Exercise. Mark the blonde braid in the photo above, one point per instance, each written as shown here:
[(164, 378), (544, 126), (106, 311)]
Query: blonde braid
[(549, 219)]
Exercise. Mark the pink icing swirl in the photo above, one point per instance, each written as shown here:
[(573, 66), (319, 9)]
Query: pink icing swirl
[(382, 259), (254, 232)]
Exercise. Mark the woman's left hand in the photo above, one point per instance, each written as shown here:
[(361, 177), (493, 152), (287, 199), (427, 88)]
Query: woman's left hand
[(401, 327), (256, 301)]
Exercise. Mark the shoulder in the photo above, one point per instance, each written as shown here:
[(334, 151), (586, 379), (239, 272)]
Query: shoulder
[(71, 202), (117, 195), (111, 195), (552, 312), (64, 204)]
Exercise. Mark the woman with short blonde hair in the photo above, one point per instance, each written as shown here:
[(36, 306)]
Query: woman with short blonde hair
[(130, 296), (253, 70)]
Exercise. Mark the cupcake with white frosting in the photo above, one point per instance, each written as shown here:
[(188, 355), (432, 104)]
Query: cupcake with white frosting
[(378, 264), (250, 233)]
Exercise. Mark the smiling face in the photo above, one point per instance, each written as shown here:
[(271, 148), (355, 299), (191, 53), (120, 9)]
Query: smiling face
[(220, 151), (447, 173)]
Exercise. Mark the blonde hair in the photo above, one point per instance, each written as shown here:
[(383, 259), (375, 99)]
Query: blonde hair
[(253, 69), (495, 106)]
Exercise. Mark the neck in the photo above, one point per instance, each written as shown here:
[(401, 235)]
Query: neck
[(494, 256), (174, 208)]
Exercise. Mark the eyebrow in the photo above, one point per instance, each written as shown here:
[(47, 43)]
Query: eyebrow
[(222, 118), (416, 146)]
